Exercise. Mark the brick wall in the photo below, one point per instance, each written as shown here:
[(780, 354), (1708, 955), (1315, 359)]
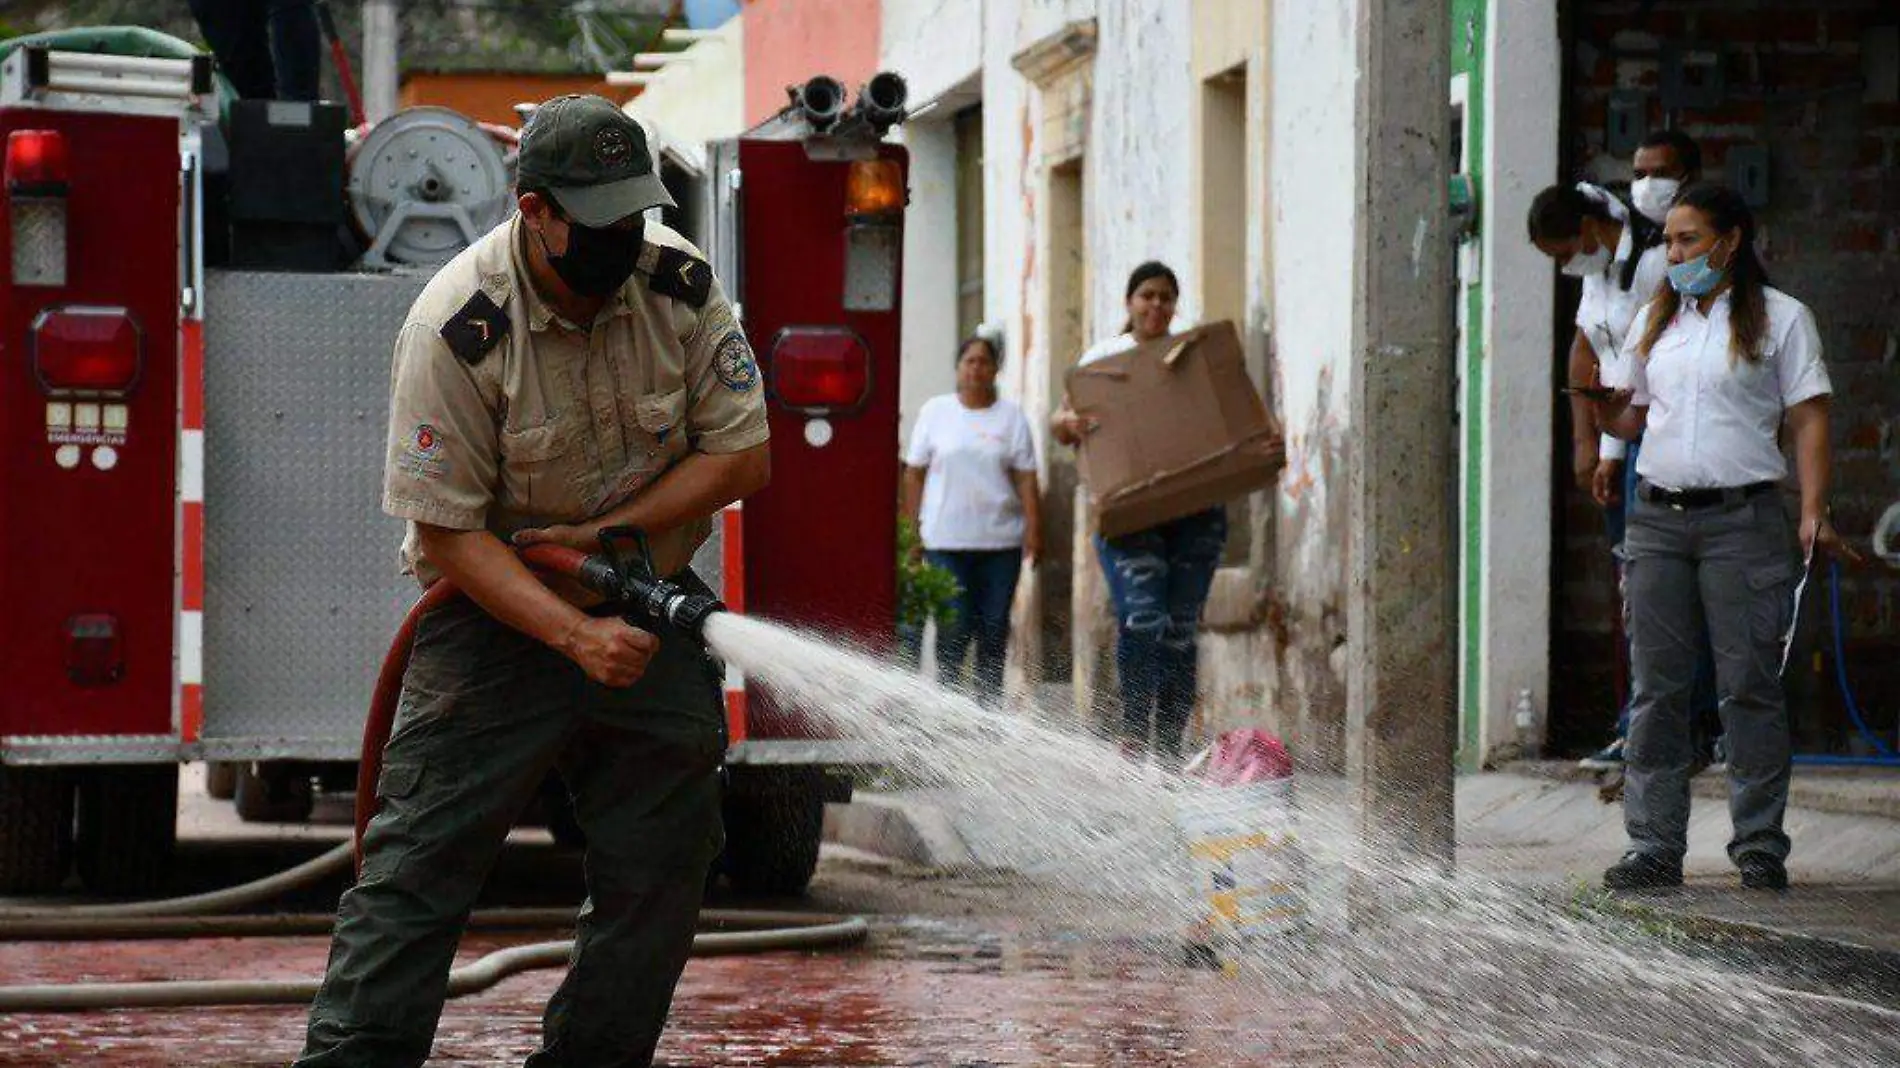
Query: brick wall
[(1801, 79)]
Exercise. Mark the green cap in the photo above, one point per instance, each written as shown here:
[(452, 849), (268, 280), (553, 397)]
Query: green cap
[(592, 157)]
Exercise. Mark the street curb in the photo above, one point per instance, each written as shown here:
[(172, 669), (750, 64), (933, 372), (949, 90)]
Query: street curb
[(1800, 960), (914, 833)]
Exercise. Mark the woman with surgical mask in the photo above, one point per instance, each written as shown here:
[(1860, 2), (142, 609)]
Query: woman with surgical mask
[(1719, 363), (1587, 233)]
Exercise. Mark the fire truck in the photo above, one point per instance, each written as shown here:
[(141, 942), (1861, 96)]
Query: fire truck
[(200, 302)]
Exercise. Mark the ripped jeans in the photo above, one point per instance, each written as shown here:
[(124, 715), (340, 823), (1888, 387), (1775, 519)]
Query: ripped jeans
[(1159, 579)]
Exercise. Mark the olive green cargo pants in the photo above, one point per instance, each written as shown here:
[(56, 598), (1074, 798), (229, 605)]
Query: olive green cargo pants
[(486, 711)]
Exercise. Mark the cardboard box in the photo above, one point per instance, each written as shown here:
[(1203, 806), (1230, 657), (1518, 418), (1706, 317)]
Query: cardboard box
[(1182, 429)]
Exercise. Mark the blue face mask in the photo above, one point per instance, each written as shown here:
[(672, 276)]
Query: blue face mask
[(1696, 277)]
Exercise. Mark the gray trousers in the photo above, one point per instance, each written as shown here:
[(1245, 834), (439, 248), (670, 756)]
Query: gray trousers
[(486, 712), (1735, 569)]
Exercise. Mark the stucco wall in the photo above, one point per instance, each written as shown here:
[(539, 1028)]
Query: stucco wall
[(702, 98), (788, 41), (937, 46), (1520, 148), (930, 269), (1242, 662)]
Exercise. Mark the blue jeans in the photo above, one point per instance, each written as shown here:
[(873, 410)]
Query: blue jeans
[(1159, 579), (986, 586), (1705, 720)]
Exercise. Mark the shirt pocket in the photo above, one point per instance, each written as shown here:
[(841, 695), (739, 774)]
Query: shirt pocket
[(529, 471), (660, 415)]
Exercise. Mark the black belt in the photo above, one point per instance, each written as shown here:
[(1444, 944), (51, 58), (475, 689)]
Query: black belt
[(1683, 500)]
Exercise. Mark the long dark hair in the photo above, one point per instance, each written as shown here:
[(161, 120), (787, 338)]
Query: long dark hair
[(1147, 272), (1748, 305)]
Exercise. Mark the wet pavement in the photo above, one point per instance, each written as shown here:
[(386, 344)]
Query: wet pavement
[(917, 996), (960, 970), (951, 976)]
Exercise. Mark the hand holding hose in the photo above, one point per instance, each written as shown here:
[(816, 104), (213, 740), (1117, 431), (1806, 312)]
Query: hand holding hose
[(610, 650), (1817, 532)]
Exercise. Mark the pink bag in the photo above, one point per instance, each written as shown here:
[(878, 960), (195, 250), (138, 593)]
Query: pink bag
[(1240, 758)]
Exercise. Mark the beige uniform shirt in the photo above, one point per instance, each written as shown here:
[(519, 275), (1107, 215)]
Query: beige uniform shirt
[(552, 422)]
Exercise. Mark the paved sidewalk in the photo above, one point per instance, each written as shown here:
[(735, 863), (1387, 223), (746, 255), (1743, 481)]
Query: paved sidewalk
[(1541, 825)]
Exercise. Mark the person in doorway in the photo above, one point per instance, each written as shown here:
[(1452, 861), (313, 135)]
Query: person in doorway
[(1592, 237), (1720, 363), (269, 49), (575, 369), (970, 486), (1666, 161), (1158, 578)]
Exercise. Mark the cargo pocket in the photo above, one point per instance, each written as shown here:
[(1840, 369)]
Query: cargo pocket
[(1771, 603), (527, 468), (398, 781)]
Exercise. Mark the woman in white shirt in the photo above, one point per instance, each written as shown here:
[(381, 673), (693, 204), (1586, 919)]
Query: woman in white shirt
[(970, 486), (1717, 365), (1159, 578)]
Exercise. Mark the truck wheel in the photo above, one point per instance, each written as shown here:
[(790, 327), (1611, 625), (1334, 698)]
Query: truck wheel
[(221, 778), (273, 793), (128, 826), (773, 830), (36, 829)]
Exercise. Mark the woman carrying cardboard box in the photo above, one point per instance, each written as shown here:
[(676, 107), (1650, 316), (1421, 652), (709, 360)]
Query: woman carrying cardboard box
[(1159, 577)]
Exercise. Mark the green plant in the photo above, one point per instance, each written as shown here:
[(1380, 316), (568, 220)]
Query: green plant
[(924, 592)]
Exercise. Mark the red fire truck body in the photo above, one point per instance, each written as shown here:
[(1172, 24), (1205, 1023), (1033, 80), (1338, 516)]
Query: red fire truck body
[(195, 566)]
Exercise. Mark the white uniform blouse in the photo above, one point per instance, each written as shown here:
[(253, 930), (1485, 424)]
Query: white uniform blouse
[(1607, 309), (1714, 420)]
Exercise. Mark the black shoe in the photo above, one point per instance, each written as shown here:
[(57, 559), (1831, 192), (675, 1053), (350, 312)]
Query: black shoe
[(1641, 871), (1762, 872)]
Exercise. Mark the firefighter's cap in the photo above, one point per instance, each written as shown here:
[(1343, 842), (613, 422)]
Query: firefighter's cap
[(592, 157)]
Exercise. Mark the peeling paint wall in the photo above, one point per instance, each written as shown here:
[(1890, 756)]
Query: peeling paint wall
[(1140, 189), (1316, 179)]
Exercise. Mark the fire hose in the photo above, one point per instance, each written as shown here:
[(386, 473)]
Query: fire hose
[(648, 599)]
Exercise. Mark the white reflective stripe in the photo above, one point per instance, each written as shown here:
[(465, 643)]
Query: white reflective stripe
[(191, 648), (735, 679), (191, 466)]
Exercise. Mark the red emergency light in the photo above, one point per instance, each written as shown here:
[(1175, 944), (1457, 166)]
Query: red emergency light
[(36, 163), (87, 351), (821, 369)]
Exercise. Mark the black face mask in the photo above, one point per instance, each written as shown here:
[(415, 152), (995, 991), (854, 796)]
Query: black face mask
[(597, 261)]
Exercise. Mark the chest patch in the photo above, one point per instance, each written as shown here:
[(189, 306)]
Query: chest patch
[(475, 329)]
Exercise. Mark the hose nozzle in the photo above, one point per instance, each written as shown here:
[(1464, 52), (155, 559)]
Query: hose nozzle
[(655, 601), (649, 598)]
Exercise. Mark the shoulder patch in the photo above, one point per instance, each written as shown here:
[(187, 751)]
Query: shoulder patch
[(733, 362), (476, 328), (681, 276)]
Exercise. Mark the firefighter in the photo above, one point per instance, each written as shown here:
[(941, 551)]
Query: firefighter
[(576, 368)]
